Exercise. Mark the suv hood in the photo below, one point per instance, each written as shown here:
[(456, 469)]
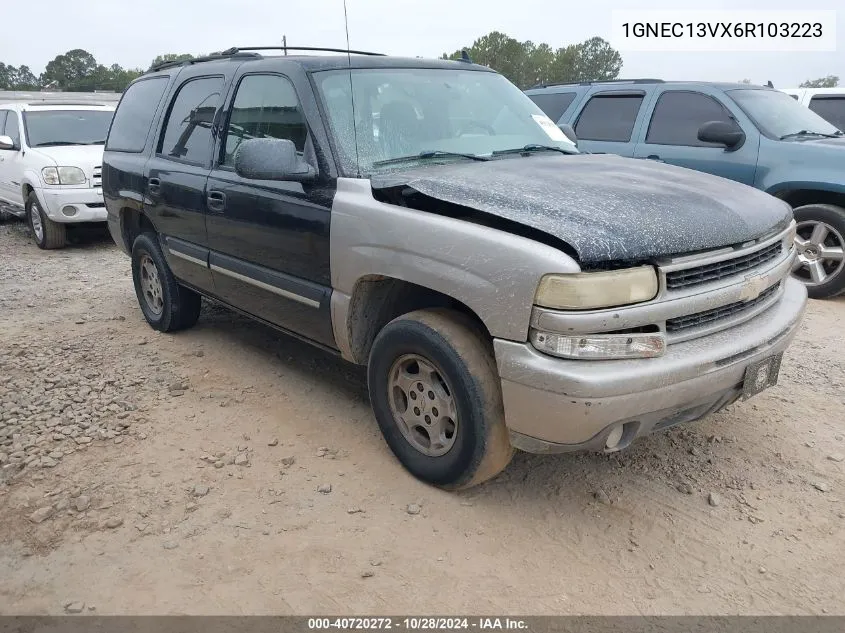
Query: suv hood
[(606, 207)]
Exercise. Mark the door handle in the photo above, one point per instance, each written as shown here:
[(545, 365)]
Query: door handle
[(654, 157), (216, 201), (154, 185)]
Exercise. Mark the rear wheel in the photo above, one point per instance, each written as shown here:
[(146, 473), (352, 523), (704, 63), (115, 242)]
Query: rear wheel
[(436, 395), (820, 241), (167, 306), (46, 233)]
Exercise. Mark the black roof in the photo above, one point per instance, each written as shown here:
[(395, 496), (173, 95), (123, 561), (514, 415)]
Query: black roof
[(339, 61)]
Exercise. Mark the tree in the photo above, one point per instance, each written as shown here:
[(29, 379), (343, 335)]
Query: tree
[(12, 78), (527, 64), (71, 71), (745, 81), (831, 81), (172, 57)]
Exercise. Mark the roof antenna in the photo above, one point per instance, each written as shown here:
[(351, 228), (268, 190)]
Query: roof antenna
[(770, 84), (352, 92), (465, 57), (285, 44)]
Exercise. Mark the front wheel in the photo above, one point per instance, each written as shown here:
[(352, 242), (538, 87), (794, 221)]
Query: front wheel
[(46, 233), (820, 241), (166, 305), (436, 395)]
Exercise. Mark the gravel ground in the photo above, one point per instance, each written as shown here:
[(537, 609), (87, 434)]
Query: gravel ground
[(229, 469)]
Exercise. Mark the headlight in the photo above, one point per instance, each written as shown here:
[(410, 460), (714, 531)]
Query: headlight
[(63, 175), (600, 346), (604, 289)]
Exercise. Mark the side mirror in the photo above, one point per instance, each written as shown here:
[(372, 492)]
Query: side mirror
[(721, 133), (6, 142), (272, 159), (568, 132)]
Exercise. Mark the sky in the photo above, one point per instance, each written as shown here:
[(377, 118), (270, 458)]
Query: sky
[(132, 32)]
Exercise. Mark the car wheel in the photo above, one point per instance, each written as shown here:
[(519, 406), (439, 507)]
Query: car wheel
[(820, 241), (167, 306), (436, 395), (46, 233)]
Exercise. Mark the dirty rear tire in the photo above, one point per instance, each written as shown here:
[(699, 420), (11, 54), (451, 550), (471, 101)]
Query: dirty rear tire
[(455, 346), (180, 305), (54, 234)]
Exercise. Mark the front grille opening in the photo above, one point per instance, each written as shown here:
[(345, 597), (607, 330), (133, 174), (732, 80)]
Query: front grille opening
[(708, 316), (720, 270), (643, 329)]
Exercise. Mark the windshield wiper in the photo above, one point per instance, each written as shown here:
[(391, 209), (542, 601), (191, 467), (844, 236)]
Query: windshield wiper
[(55, 143), (531, 147), (808, 133), (427, 155)]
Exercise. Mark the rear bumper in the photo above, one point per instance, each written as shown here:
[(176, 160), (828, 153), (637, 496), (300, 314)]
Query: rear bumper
[(73, 205), (557, 405)]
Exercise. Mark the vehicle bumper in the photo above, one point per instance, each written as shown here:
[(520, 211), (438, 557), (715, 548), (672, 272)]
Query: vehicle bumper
[(73, 205), (554, 405)]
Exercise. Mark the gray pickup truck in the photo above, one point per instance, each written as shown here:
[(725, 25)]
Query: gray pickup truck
[(503, 290)]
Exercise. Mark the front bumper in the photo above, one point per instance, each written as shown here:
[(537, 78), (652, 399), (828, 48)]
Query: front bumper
[(86, 203), (554, 405)]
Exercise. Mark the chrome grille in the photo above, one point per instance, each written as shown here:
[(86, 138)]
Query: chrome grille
[(708, 316), (719, 270), (97, 178)]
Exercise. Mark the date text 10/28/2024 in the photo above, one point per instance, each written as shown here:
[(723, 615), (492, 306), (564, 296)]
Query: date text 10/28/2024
[(417, 623)]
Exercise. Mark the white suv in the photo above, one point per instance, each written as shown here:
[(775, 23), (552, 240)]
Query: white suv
[(50, 165), (828, 103)]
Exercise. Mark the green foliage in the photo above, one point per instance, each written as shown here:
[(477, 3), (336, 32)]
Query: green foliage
[(831, 81), (12, 78), (527, 64)]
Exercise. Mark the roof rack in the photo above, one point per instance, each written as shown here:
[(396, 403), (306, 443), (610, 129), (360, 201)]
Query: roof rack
[(50, 102), (206, 58), (236, 50), (601, 81)]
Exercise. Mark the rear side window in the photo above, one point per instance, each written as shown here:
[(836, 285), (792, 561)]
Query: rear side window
[(135, 114), (609, 118), (678, 116), (265, 106), (831, 109), (554, 105), (187, 132)]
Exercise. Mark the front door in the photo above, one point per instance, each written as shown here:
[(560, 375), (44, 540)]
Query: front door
[(11, 167), (269, 240), (672, 137)]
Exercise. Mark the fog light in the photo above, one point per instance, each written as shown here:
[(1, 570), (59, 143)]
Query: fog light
[(600, 346), (614, 437), (69, 211)]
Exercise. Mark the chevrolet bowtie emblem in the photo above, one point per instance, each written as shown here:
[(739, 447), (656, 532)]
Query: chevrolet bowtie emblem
[(753, 286)]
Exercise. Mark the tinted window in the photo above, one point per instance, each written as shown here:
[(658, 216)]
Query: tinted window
[(265, 106), (608, 118), (832, 109), (48, 128), (13, 129), (135, 114), (776, 115), (554, 105), (678, 115), (187, 133)]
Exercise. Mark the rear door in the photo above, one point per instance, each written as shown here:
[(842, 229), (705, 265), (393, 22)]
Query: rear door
[(177, 173), (671, 136), (607, 120)]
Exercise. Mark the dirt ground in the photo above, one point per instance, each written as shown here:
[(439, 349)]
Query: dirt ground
[(187, 474)]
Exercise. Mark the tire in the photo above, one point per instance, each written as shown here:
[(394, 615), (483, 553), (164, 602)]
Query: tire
[(811, 263), (47, 234), (167, 306), (450, 344)]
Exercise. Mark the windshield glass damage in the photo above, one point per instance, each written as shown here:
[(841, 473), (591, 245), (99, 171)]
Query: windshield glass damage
[(422, 114)]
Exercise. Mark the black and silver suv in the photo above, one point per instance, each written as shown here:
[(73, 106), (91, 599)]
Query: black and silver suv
[(426, 219)]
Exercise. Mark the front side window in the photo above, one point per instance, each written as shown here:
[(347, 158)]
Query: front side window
[(831, 109), (778, 115), (135, 114), (49, 128), (403, 112), (187, 133), (678, 116), (265, 106), (609, 118)]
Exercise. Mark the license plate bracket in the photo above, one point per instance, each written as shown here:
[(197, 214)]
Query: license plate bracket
[(761, 375)]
